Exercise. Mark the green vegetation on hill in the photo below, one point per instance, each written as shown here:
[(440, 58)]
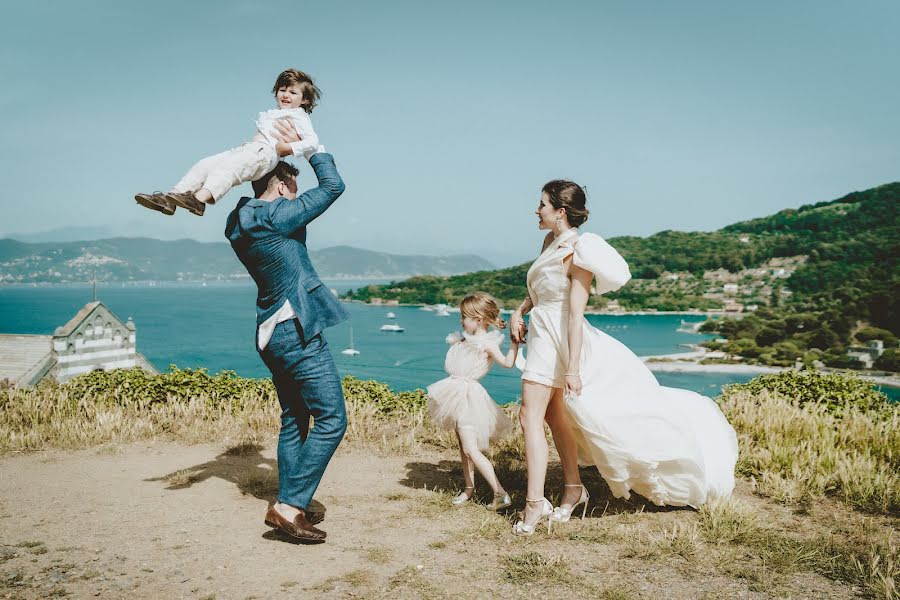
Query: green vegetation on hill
[(851, 276), (847, 273)]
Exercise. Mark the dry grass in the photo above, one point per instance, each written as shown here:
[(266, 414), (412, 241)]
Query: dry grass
[(378, 556), (43, 418), (183, 478), (795, 453), (838, 472), (533, 567), (727, 522)]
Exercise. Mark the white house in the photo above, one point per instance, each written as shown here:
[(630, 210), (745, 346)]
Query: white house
[(93, 339)]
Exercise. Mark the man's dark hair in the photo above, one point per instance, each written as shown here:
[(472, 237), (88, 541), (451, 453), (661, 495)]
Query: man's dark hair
[(282, 171)]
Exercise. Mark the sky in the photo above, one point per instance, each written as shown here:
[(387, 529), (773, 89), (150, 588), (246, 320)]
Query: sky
[(445, 119)]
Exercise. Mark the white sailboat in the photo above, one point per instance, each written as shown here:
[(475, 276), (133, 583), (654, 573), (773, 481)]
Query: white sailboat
[(392, 327), (351, 351), (689, 327)]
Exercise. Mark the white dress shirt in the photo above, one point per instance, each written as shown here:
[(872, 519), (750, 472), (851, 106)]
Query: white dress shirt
[(265, 129)]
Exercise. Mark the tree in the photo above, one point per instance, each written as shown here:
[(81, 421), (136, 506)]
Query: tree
[(889, 361), (824, 337)]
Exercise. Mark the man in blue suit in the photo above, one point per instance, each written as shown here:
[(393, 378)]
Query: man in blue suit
[(268, 234)]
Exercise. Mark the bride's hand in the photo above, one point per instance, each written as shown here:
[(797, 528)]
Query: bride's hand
[(573, 385), (517, 330)]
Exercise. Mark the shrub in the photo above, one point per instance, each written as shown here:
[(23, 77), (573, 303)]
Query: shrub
[(802, 435), (835, 390), (889, 361), (874, 333), (126, 386)]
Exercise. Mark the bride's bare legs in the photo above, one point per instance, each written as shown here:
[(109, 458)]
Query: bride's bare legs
[(535, 398), (564, 439)]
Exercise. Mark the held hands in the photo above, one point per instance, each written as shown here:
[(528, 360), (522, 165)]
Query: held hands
[(517, 329)]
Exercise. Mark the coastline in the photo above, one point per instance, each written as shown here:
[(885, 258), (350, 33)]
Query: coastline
[(688, 362), (506, 311)]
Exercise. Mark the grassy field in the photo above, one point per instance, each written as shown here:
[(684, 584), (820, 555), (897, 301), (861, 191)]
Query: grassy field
[(818, 498)]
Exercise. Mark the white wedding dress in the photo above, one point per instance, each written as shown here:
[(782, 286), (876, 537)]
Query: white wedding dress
[(672, 446)]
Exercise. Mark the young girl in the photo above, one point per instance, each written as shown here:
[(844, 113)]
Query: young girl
[(461, 403), (295, 97)]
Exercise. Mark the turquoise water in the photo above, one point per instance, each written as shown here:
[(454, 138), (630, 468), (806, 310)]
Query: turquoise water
[(213, 327)]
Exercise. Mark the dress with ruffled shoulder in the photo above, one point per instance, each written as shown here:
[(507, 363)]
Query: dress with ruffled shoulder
[(460, 401), (672, 446)]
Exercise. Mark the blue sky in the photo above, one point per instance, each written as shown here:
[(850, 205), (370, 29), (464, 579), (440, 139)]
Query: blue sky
[(446, 118)]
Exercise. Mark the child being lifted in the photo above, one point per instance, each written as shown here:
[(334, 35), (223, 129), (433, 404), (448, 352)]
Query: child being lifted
[(295, 96)]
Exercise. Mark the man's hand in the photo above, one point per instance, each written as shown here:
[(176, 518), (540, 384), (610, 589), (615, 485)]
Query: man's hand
[(287, 134)]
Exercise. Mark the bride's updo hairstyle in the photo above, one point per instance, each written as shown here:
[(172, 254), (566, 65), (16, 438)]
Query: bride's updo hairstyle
[(570, 196), (482, 305)]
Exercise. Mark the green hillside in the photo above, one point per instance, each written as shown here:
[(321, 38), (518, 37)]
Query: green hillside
[(839, 260)]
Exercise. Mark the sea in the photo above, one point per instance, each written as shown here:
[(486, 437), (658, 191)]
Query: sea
[(213, 326)]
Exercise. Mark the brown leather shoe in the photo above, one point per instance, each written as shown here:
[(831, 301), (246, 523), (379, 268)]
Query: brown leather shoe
[(314, 517), (187, 200), (301, 528), (156, 201)]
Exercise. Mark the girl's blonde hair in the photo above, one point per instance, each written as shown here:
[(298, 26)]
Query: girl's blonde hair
[(480, 305)]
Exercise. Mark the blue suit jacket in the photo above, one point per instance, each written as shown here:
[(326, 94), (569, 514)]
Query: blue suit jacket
[(269, 238)]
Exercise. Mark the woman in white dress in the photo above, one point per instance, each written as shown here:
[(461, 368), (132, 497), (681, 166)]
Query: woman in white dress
[(603, 405)]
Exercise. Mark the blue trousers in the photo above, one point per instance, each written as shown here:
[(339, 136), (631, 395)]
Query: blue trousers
[(307, 383)]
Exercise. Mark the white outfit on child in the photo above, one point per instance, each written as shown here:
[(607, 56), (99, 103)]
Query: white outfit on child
[(671, 446), (250, 161), (460, 401)]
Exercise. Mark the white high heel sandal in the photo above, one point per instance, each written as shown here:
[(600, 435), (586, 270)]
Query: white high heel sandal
[(562, 515), (523, 528)]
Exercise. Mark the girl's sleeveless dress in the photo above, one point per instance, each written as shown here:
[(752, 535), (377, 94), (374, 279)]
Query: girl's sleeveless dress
[(460, 401)]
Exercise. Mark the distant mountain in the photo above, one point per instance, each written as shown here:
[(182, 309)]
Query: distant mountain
[(67, 234), (145, 259), (346, 261)]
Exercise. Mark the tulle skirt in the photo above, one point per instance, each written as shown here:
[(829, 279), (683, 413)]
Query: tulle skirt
[(457, 403)]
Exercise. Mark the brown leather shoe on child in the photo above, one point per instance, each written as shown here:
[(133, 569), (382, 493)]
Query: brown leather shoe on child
[(156, 201), (187, 200)]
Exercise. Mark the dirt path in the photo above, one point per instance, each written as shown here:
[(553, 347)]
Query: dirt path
[(118, 524)]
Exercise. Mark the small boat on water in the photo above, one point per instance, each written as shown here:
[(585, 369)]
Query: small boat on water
[(442, 313), (391, 315), (392, 327), (689, 326), (351, 351)]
